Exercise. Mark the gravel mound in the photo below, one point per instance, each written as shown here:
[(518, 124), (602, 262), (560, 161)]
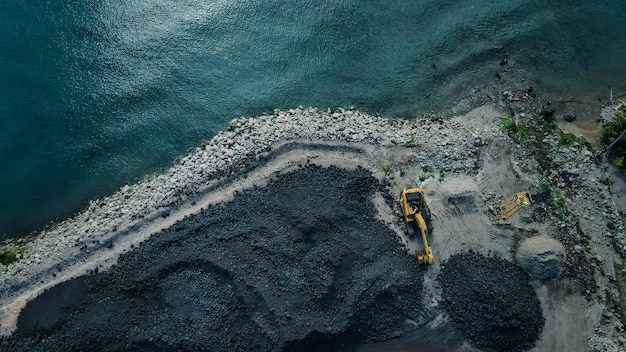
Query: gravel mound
[(491, 302), (541, 256), (301, 264)]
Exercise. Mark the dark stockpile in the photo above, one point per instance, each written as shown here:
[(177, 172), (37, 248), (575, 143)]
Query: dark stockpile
[(491, 302), (301, 264)]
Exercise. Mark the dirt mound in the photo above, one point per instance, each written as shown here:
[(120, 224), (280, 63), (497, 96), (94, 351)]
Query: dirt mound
[(541, 256), (491, 302), (301, 264)]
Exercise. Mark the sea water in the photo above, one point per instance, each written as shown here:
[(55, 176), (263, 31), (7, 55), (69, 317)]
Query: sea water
[(95, 94)]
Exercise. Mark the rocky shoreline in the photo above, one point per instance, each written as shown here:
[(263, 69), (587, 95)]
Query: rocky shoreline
[(451, 146), (223, 155)]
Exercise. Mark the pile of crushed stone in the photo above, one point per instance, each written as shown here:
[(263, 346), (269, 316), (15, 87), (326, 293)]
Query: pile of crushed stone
[(301, 264), (491, 302)]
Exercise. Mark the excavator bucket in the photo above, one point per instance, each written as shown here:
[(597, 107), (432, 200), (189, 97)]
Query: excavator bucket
[(423, 257)]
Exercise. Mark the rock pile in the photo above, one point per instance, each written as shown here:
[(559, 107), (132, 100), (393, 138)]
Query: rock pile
[(491, 302), (301, 264)]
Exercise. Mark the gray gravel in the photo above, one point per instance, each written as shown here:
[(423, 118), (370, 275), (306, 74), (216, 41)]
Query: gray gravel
[(491, 302), (301, 264)]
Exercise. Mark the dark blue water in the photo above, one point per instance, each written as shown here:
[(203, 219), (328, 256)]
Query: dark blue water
[(98, 93)]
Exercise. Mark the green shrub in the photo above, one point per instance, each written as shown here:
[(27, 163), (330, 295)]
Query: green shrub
[(8, 256), (567, 139), (523, 132), (505, 123), (561, 206), (611, 132), (544, 187), (614, 129)]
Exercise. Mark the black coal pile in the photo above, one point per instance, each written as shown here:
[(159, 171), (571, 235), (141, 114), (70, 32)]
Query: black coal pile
[(491, 302), (301, 264)]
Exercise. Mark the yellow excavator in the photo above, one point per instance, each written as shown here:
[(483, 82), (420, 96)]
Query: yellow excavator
[(509, 207), (416, 213)]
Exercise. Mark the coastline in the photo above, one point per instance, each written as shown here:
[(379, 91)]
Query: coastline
[(510, 92), (153, 197), (83, 244)]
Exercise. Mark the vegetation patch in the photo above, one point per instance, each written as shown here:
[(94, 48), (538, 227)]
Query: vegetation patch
[(442, 175), (612, 131), (11, 255), (531, 134), (544, 188), (567, 139), (561, 206), (506, 123)]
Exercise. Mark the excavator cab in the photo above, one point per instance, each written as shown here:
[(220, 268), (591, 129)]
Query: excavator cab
[(416, 215)]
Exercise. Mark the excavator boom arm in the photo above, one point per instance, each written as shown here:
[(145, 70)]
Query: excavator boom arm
[(426, 255)]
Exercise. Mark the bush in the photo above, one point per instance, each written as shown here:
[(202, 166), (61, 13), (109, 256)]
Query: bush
[(8, 257), (9, 254), (611, 132), (506, 123), (614, 129), (544, 188), (567, 139)]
